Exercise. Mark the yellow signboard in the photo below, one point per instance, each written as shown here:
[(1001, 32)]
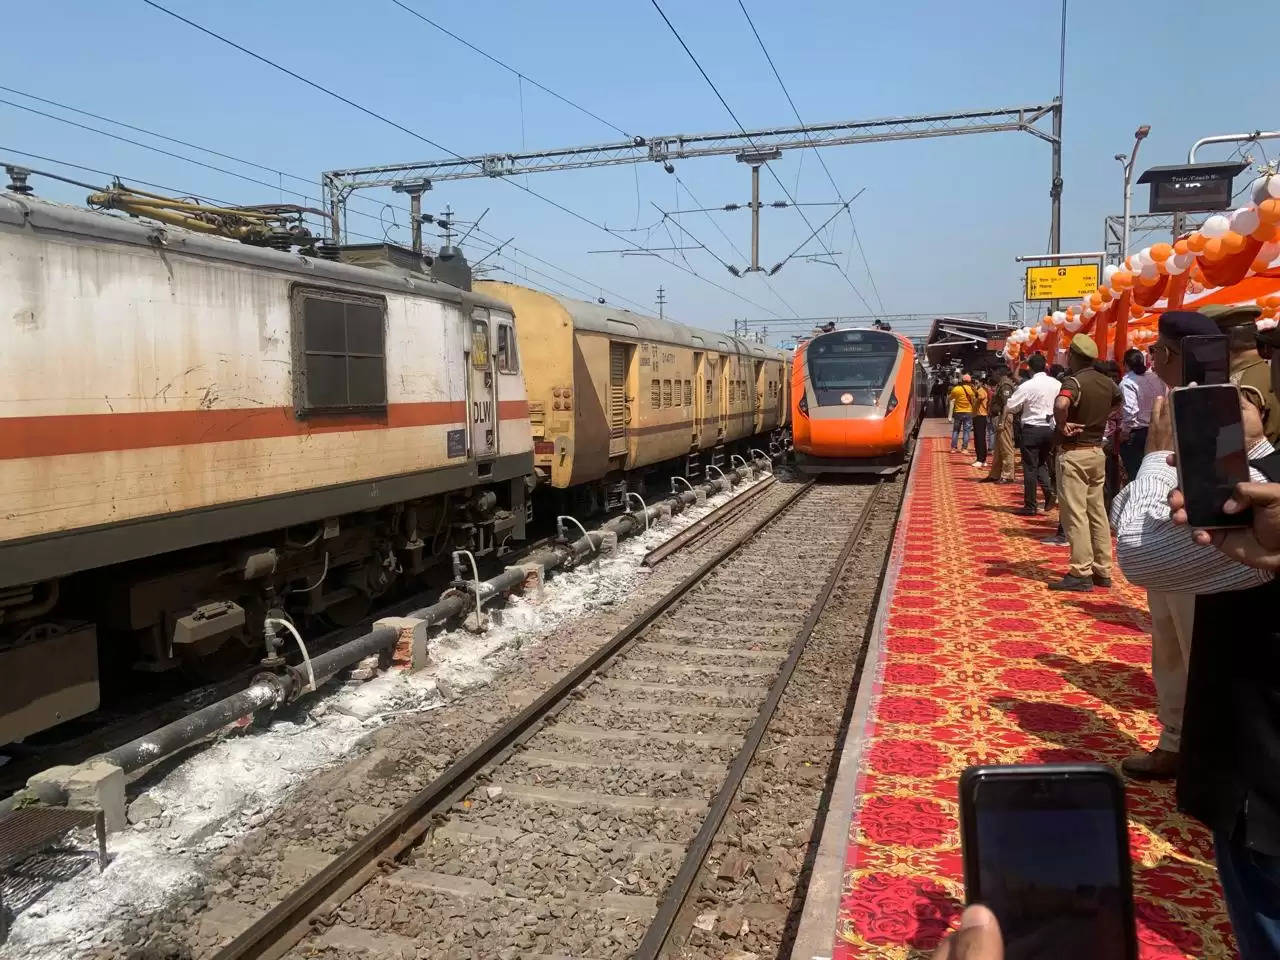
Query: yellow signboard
[(1062, 283)]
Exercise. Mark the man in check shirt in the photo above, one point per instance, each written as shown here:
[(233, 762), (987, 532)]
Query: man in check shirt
[(1154, 553), (1140, 387)]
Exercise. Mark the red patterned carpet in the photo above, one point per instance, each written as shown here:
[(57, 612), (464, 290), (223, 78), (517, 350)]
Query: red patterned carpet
[(982, 664)]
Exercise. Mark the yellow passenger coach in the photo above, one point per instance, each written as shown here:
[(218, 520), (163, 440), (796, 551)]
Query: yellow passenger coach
[(613, 392)]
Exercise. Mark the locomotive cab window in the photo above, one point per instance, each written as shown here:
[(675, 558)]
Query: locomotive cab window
[(508, 359), (853, 362), (479, 344), (340, 362)]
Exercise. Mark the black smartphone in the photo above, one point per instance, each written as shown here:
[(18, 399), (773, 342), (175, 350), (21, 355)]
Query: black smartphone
[(1205, 360), (1208, 436), (1046, 847)]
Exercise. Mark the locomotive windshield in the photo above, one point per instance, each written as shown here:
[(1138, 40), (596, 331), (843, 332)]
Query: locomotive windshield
[(856, 362)]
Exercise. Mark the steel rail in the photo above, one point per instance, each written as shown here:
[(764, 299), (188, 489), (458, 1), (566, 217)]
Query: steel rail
[(281, 927), (655, 938), (723, 513)]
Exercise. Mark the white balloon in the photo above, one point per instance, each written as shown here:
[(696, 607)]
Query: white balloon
[(1273, 186), (1073, 325), (1181, 261), (1149, 270), (1108, 272), (1245, 220), (1059, 316), (1216, 226)]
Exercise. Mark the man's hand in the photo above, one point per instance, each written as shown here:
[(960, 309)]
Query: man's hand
[(1160, 432), (977, 939), (1070, 429), (1252, 419), (1255, 546)]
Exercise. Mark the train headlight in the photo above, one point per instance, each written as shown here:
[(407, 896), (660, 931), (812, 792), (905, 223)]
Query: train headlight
[(893, 401), (804, 404)]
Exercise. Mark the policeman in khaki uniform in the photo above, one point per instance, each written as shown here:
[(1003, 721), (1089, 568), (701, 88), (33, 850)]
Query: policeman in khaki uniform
[(1088, 396), (1248, 370)]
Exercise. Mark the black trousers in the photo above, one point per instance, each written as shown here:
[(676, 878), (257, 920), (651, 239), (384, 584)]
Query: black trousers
[(1133, 450), (1037, 459), (980, 437)]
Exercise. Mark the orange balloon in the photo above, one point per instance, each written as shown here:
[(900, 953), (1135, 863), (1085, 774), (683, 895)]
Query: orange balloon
[(1148, 281), (1135, 310), (1181, 246), (1122, 279), (1105, 294), (1272, 301), (1232, 242), (1095, 300), (1160, 252), (1213, 248), (1264, 232), (1259, 265), (1196, 242), (1269, 210)]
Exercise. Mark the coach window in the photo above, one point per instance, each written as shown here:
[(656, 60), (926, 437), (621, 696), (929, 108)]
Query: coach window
[(655, 394), (340, 361), (666, 393)]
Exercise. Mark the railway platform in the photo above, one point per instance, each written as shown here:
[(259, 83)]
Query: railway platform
[(974, 661)]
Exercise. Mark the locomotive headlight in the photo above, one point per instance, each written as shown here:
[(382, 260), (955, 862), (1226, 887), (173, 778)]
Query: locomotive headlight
[(804, 404), (893, 401)]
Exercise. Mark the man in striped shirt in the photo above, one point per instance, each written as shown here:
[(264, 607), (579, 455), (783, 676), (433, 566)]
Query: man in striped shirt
[(1154, 553)]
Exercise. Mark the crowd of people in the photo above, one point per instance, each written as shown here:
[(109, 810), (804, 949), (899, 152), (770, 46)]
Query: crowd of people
[(1098, 446)]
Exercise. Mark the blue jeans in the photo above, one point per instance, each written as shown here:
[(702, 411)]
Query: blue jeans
[(1251, 887), (961, 423)]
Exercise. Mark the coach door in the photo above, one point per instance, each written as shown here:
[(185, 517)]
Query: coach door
[(481, 396), (617, 399)]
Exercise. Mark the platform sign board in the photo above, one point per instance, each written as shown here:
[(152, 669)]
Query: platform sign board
[(1062, 282)]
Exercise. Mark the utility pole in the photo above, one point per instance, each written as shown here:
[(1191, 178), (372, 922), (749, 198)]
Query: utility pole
[(756, 160), (1138, 136), (662, 302)]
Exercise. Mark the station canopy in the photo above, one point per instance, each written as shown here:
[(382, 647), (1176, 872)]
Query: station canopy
[(962, 337)]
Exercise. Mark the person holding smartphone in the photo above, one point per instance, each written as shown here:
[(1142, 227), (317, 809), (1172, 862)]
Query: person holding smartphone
[(1248, 370), (1085, 402), (1229, 774)]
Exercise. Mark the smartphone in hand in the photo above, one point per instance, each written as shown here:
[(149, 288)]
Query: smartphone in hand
[(1208, 437), (1046, 848), (1205, 360)]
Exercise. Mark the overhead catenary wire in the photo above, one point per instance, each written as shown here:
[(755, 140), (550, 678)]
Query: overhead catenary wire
[(506, 66), (857, 238), (433, 143), (773, 173), (377, 217)]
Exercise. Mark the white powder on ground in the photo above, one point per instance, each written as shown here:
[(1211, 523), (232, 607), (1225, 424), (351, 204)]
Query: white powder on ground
[(229, 787)]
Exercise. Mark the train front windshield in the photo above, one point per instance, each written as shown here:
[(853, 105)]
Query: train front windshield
[(853, 362)]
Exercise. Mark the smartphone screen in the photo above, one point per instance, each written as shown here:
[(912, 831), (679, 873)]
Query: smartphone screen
[(1204, 360), (1046, 848), (1208, 435)]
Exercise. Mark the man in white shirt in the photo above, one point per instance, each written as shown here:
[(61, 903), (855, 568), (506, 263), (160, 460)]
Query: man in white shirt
[(1033, 403), (1139, 387)]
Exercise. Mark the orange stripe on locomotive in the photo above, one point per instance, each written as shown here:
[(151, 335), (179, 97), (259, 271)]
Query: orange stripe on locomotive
[(856, 400)]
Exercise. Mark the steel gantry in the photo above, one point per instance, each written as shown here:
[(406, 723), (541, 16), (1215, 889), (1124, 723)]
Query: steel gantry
[(415, 178)]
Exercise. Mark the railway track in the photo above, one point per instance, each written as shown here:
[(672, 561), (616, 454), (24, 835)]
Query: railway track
[(579, 827)]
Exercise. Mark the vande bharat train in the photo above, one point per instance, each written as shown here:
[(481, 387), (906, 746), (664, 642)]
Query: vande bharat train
[(857, 399)]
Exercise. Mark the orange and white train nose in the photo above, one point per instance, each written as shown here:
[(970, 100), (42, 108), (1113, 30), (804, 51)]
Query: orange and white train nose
[(852, 390)]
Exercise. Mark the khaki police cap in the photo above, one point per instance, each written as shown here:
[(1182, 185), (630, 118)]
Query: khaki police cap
[(1083, 344), (1232, 314)]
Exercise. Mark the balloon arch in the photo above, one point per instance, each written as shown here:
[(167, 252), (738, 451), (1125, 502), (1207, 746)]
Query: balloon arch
[(1233, 258)]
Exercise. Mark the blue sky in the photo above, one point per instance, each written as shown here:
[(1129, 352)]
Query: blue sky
[(940, 220)]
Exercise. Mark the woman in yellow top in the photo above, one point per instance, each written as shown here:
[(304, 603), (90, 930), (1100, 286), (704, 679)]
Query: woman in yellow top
[(963, 399)]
